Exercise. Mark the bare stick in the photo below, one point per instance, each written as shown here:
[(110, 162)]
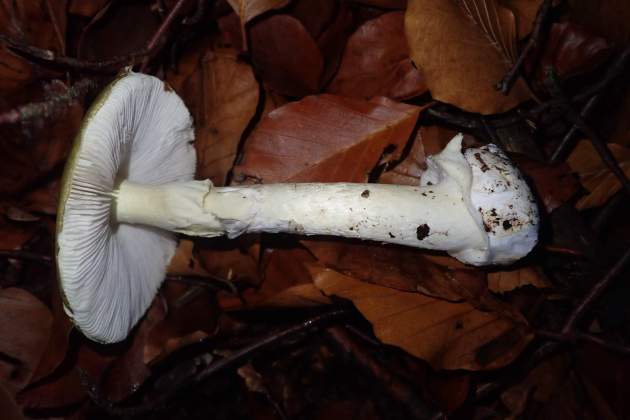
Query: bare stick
[(534, 40), (49, 108)]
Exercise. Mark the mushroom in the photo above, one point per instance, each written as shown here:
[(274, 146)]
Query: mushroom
[(129, 184)]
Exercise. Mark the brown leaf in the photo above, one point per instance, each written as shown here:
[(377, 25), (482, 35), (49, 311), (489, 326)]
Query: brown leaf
[(554, 185), (466, 66), (384, 4), (40, 23), (447, 335), (27, 158), (608, 18), (86, 8), (401, 268), (595, 175), (185, 262), (25, 323), (526, 10), (286, 55), (8, 405), (325, 137), (505, 281), (223, 96), (497, 23), (376, 62), (125, 27), (249, 9)]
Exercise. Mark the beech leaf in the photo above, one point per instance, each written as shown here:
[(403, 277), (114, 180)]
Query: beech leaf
[(376, 62), (26, 322), (447, 335), (505, 281), (463, 73), (325, 138), (595, 175), (249, 9), (223, 98)]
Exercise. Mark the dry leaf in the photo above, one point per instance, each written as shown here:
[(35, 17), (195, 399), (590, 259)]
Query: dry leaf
[(226, 94), (447, 335), (595, 175), (461, 73), (40, 23), (26, 324), (185, 262), (397, 267), (505, 281), (553, 185), (249, 9), (384, 4), (8, 406), (376, 62), (300, 296), (497, 23), (286, 56), (86, 8), (608, 18), (325, 137), (526, 10)]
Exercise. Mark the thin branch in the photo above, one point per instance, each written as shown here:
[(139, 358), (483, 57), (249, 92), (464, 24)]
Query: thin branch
[(230, 362), (102, 66), (534, 40), (199, 12), (395, 387), (164, 27), (26, 256), (578, 336), (595, 292), (49, 108), (613, 72)]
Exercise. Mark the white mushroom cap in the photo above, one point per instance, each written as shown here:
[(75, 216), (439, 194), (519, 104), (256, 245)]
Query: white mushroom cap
[(140, 130), (509, 211)]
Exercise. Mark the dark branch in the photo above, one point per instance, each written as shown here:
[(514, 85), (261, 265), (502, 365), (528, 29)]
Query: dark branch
[(534, 40)]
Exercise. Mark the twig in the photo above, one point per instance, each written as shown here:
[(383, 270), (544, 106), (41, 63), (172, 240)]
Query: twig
[(396, 388), (50, 57), (232, 361), (613, 72), (598, 143), (26, 256), (164, 27), (196, 18), (534, 40), (49, 108), (579, 336), (595, 292)]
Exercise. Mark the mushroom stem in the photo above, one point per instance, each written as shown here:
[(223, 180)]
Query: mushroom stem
[(432, 217)]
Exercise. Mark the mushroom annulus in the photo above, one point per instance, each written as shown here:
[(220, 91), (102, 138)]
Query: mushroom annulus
[(128, 185)]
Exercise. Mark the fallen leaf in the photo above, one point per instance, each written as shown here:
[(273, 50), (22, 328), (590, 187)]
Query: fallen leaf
[(526, 10), (8, 405), (28, 158), (124, 28), (385, 4), (26, 323), (300, 296), (325, 137), (447, 335), (609, 18), (553, 185), (463, 73), (376, 62), (506, 281), (40, 23), (286, 56), (86, 8), (595, 175), (397, 267), (223, 96), (249, 9), (185, 262)]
